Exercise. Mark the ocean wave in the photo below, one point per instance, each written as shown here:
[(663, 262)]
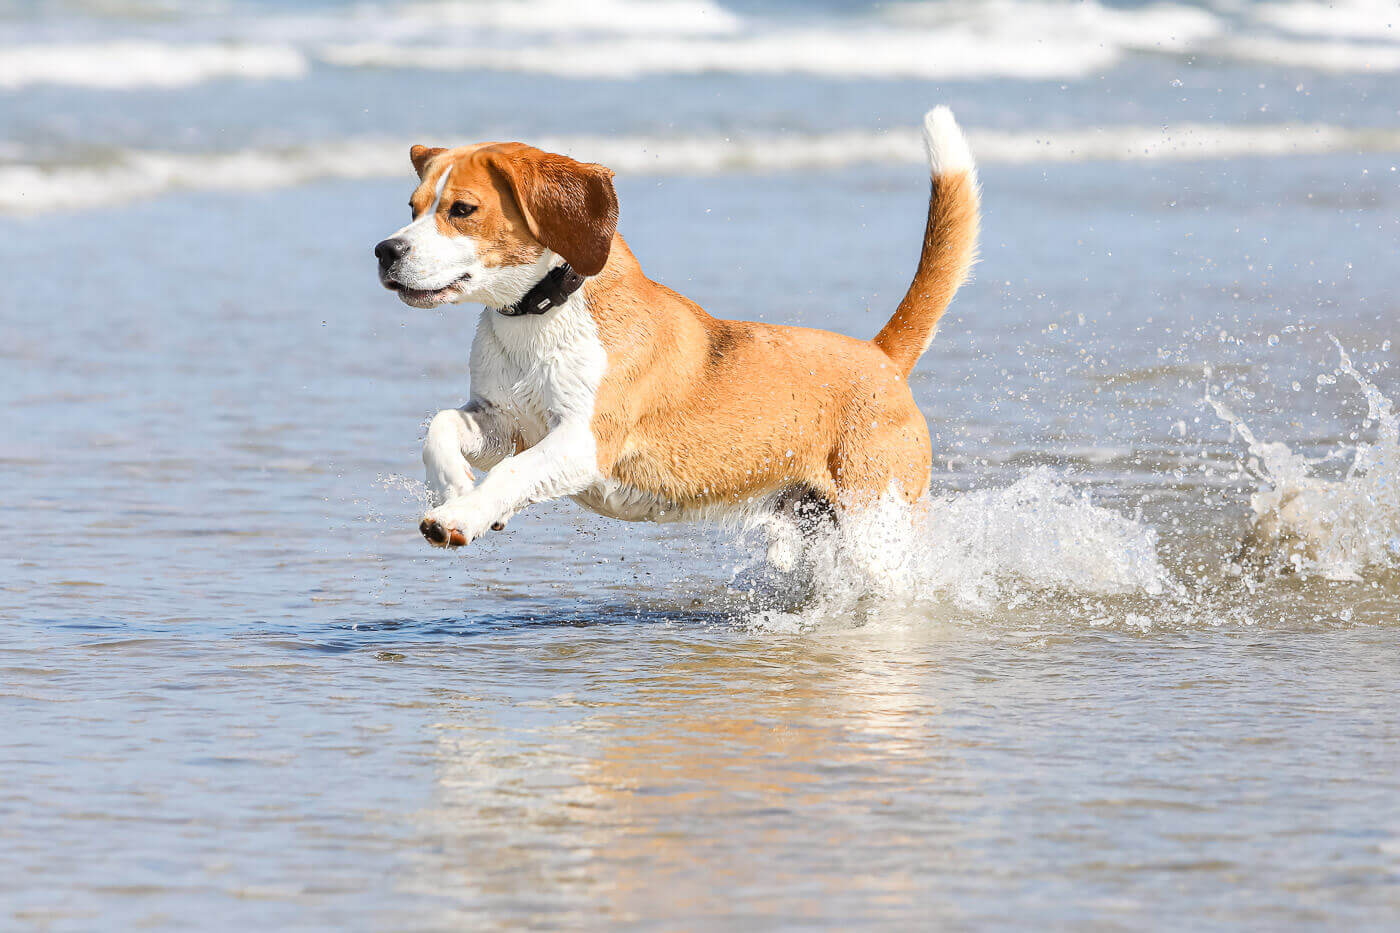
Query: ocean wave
[(621, 39), (954, 53), (130, 175), (1159, 26), (638, 17), (137, 175), (1374, 19), (846, 53), (1006, 38), (500, 24), (1314, 55), (139, 63)]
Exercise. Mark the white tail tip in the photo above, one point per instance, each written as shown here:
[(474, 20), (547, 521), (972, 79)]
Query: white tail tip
[(948, 152)]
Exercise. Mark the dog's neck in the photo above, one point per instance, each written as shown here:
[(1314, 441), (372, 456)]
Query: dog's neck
[(548, 293), (560, 283), (525, 340)]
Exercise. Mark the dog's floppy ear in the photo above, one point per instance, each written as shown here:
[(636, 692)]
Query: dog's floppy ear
[(420, 156), (570, 207)]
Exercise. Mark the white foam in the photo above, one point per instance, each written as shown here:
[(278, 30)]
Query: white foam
[(137, 63), (131, 175), (975, 551), (957, 52), (847, 53), (1010, 38), (1379, 19), (961, 39), (949, 39), (1158, 27), (1336, 528), (1180, 142), (1334, 56), (637, 17)]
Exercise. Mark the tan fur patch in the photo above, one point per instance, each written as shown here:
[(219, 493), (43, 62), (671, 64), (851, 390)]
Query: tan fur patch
[(700, 411), (527, 201)]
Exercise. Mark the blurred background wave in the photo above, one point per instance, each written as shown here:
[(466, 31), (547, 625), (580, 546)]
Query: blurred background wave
[(240, 692), (107, 100)]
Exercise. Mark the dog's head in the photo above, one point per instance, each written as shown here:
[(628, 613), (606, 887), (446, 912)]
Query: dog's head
[(488, 221)]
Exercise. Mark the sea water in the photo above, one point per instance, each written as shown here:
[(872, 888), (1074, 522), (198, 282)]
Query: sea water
[(1131, 661)]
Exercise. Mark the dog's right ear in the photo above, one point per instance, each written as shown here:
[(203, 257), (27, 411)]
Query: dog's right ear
[(569, 207), (420, 156)]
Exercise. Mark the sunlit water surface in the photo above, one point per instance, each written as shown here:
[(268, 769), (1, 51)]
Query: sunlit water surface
[(1132, 664)]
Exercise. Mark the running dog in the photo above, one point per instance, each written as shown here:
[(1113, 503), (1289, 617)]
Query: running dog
[(590, 380)]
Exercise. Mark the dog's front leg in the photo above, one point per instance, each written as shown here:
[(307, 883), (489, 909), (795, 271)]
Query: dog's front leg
[(563, 463), (476, 435)]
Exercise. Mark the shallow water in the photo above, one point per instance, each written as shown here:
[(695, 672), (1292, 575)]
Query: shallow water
[(240, 689)]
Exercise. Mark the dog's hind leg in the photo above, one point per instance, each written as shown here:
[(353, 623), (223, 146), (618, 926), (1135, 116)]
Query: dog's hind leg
[(798, 516), (891, 454)]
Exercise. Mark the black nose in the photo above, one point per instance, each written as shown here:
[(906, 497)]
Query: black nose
[(390, 251)]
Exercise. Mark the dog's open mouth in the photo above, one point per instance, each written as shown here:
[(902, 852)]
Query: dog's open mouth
[(426, 296)]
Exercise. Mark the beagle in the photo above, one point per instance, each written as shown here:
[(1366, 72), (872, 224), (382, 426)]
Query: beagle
[(590, 380)]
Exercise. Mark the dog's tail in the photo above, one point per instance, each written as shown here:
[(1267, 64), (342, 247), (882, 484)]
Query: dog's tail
[(950, 242)]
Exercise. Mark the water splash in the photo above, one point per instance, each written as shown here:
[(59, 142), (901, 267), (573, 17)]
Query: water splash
[(971, 551), (1335, 528)]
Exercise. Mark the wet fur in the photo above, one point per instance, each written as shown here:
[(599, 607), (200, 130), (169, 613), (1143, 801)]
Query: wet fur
[(631, 398)]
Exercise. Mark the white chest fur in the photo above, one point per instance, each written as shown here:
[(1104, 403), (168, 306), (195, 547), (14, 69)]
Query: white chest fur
[(542, 370)]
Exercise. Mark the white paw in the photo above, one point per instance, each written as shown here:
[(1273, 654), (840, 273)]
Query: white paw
[(447, 473), (784, 546), (458, 524)]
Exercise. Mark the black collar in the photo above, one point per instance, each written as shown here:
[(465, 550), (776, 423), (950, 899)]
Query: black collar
[(549, 292)]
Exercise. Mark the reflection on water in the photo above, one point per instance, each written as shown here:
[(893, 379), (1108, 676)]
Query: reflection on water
[(238, 691), (619, 763), (924, 772)]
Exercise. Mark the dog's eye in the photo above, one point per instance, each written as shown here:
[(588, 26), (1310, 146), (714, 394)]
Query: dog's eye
[(461, 209)]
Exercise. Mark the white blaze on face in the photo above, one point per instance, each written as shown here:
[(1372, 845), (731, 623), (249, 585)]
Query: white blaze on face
[(434, 260), (443, 268)]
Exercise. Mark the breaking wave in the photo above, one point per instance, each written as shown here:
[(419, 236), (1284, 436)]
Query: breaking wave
[(138, 63), (1316, 55), (1029, 39), (1335, 528), (1009, 38), (954, 39), (129, 175), (858, 53), (636, 17), (1373, 19)]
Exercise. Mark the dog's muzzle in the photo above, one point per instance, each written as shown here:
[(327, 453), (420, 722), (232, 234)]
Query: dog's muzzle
[(389, 252)]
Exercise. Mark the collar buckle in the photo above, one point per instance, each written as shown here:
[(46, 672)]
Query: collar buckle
[(549, 292)]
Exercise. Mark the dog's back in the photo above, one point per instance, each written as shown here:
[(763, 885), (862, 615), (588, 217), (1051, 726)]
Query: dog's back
[(618, 391)]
